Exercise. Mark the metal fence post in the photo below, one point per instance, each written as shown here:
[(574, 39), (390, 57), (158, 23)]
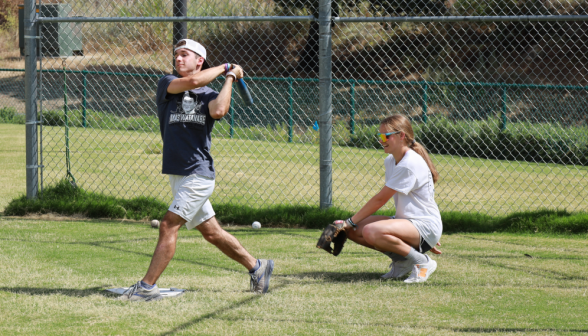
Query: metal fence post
[(325, 105), (30, 39), (291, 108), (180, 29)]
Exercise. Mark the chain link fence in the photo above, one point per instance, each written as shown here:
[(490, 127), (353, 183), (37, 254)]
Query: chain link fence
[(12, 95), (500, 102)]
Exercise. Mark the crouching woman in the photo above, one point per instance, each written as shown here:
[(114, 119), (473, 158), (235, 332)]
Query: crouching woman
[(416, 228)]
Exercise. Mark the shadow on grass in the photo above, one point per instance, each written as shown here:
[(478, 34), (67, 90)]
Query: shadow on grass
[(544, 273), (102, 244), (522, 256), (149, 255), (74, 292), (513, 330), (220, 311), (563, 249), (337, 276), (519, 255), (349, 277), (369, 252), (273, 231)]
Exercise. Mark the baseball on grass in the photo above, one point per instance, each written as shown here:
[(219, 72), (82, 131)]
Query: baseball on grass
[(256, 225), (155, 223)]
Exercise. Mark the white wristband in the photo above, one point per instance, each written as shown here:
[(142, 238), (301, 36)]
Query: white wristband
[(230, 73)]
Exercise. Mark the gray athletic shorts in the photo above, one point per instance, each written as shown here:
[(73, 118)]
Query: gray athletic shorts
[(191, 195), (423, 245)]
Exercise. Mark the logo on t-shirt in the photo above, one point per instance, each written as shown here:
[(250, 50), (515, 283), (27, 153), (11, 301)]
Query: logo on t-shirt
[(188, 110), (188, 104)]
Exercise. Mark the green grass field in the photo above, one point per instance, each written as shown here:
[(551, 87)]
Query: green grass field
[(53, 275), (261, 173), (12, 163)]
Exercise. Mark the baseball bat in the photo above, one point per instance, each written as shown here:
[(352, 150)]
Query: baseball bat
[(244, 92)]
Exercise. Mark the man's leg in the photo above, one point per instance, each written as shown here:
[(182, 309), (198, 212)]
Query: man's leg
[(146, 290), (166, 246), (226, 242), (260, 270)]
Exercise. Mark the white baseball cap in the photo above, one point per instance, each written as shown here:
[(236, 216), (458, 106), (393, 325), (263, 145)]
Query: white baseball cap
[(195, 47)]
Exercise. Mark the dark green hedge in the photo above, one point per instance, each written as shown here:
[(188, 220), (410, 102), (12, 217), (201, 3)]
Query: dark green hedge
[(64, 199), (523, 141), (101, 120), (67, 200), (8, 115)]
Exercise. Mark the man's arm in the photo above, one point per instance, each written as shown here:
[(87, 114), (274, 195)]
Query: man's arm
[(197, 80), (219, 107)]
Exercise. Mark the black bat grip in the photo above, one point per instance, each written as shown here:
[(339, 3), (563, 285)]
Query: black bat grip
[(244, 92)]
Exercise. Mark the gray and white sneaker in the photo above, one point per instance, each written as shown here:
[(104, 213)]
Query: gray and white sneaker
[(138, 293), (422, 272), (394, 256), (398, 269), (260, 279)]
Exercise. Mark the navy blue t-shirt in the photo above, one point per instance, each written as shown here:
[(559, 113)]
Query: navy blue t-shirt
[(185, 126)]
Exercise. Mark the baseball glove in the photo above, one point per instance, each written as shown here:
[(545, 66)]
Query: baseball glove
[(333, 233)]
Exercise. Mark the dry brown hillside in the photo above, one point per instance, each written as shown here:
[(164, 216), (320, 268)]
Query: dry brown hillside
[(519, 52), (8, 8)]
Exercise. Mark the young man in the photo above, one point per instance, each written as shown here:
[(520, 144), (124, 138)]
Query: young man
[(187, 111)]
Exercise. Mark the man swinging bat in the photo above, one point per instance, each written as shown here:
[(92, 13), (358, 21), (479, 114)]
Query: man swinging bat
[(187, 111)]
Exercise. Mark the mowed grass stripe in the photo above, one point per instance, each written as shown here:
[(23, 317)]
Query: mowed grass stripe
[(53, 273), (12, 162), (260, 173)]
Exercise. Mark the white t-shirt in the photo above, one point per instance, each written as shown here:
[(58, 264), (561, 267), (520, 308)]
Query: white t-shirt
[(415, 194)]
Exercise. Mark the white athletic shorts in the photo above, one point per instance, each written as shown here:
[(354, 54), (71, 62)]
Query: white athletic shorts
[(427, 232), (191, 195)]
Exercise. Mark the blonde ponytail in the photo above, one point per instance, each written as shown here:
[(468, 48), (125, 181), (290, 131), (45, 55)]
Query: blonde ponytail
[(401, 123), (422, 151)]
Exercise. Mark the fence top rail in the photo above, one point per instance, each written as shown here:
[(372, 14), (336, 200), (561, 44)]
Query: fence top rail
[(426, 83), (105, 73), (344, 81), (509, 18), (175, 19), (505, 18)]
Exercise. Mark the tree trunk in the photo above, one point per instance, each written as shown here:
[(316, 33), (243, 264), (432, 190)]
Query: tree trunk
[(309, 57)]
